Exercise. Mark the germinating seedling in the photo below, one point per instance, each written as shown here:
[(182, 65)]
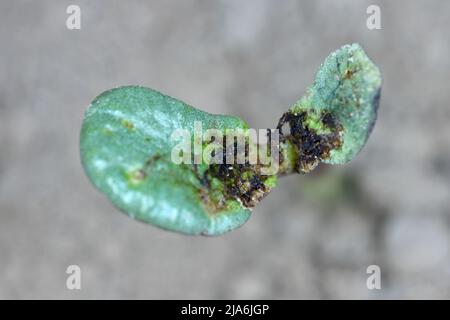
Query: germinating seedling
[(126, 147)]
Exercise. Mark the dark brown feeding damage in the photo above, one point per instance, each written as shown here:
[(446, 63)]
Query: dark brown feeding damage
[(311, 147), (244, 183), (241, 182)]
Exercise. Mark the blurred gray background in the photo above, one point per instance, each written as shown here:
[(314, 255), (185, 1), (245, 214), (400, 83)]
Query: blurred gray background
[(312, 237)]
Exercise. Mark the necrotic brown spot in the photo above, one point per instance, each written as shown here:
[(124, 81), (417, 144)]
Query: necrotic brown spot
[(311, 146), (240, 182), (128, 124)]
